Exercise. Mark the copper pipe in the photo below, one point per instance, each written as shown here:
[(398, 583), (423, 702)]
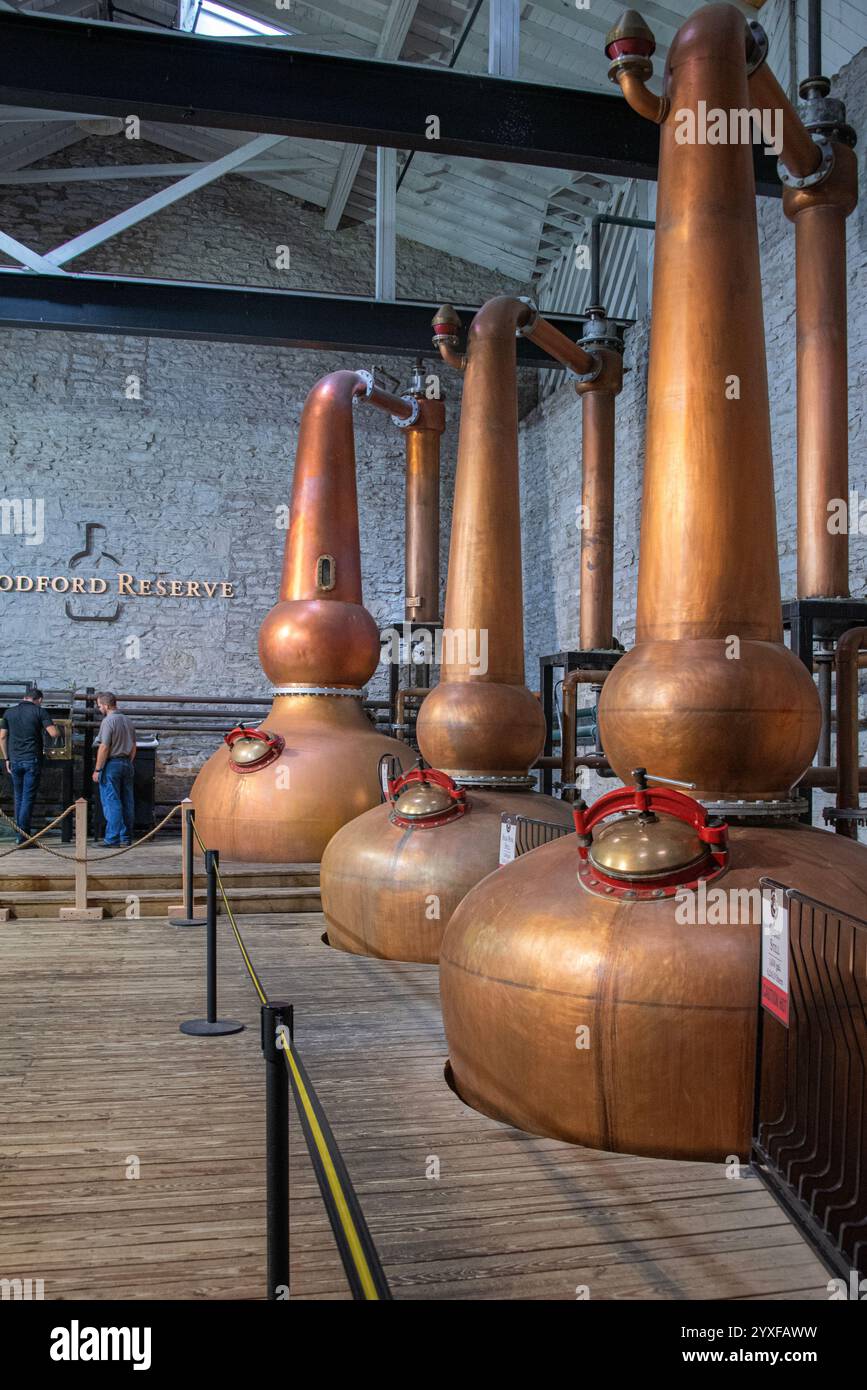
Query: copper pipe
[(555, 343), (457, 360), (485, 589), (399, 406), (596, 600), (825, 778), (641, 99), (422, 584), (418, 692), (800, 153), (819, 214), (848, 648), (570, 718), (485, 720), (447, 329), (824, 688), (709, 671)]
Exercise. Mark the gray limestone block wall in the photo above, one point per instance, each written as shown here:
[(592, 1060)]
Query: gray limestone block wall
[(178, 455), (550, 438)]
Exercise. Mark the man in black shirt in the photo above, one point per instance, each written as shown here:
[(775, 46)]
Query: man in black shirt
[(21, 749)]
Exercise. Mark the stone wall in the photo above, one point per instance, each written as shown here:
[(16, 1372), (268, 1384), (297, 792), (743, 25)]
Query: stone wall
[(551, 436), (179, 452)]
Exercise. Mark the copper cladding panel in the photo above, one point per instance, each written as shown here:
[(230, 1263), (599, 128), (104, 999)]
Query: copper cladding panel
[(287, 812), (529, 958), (390, 892)]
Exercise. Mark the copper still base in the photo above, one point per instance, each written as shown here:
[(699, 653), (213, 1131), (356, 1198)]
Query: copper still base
[(529, 957), (390, 892), (287, 811)]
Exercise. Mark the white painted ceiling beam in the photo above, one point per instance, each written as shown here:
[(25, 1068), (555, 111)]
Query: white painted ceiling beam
[(391, 40), (386, 230), (504, 40), (17, 251), (69, 250), (105, 173)]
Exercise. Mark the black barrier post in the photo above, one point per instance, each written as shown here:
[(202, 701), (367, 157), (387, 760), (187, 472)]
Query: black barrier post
[(188, 835), (211, 1026), (276, 1148)]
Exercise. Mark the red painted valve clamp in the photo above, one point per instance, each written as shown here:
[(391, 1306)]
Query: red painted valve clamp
[(712, 833), (452, 805), (273, 747)]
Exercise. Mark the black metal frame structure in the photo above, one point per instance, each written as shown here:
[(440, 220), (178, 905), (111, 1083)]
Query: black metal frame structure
[(565, 662), (235, 314), (106, 69), (809, 1143)]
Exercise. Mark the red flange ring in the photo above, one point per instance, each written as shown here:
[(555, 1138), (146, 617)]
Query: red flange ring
[(651, 800), (446, 800), (628, 47), (272, 746)]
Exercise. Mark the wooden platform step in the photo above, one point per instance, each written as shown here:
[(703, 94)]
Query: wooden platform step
[(155, 902), (256, 876)]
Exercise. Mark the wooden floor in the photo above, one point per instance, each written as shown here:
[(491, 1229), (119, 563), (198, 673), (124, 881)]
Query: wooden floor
[(94, 1071)]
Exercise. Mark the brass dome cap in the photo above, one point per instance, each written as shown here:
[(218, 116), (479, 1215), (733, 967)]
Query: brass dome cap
[(630, 25), (641, 846), (423, 799), (249, 750)]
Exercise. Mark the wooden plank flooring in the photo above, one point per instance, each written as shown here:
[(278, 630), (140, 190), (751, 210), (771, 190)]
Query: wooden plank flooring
[(94, 1070)]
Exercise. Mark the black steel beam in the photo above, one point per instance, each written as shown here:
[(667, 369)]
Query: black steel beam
[(106, 69), (232, 314)]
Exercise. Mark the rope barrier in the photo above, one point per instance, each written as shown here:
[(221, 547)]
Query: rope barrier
[(355, 1245), (33, 839), (70, 858)]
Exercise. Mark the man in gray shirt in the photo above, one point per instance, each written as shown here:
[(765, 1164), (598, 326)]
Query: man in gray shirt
[(114, 770)]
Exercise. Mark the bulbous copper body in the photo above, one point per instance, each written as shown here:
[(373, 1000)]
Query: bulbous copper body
[(287, 812), (529, 957), (390, 891), (481, 727), (741, 727)]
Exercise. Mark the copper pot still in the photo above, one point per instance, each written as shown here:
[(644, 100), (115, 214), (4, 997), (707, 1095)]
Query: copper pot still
[(279, 799), (392, 878), (594, 1011)]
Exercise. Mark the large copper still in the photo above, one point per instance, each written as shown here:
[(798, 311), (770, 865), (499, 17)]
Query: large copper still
[(278, 794), (392, 878), (576, 1003)]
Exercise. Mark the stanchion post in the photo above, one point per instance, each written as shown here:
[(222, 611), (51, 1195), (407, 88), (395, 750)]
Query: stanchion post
[(211, 1026), (186, 916), (80, 912), (275, 1016)]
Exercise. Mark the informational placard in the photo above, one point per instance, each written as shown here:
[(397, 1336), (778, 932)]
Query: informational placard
[(775, 953), (508, 835)]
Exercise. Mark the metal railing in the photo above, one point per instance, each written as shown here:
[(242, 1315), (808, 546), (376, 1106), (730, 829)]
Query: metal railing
[(810, 1125)]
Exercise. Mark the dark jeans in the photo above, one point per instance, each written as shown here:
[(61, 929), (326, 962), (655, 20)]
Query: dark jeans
[(25, 784), (115, 793)]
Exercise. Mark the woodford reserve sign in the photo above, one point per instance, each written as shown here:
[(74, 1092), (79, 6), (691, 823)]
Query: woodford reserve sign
[(121, 583)]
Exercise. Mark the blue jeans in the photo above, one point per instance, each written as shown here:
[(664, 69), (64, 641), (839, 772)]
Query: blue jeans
[(115, 793), (25, 785)]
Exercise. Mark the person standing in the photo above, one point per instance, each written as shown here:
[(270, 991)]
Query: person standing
[(114, 770), (22, 750)]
